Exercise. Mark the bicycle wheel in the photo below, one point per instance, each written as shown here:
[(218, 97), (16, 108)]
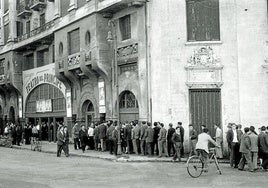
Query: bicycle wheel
[(195, 166), (217, 164)]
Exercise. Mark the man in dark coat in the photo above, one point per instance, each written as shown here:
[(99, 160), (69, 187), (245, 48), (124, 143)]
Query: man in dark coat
[(83, 137), (155, 142), (182, 137), (102, 135), (263, 147), (135, 138), (110, 138), (18, 134), (142, 138), (149, 138), (127, 135), (170, 145)]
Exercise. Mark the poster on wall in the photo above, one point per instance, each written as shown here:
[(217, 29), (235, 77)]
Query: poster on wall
[(68, 104), (102, 108), (20, 107), (44, 105)]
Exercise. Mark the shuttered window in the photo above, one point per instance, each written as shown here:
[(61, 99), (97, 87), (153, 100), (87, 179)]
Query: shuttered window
[(42, 19), (125, 27), (6, 33), (64, 6), (74, 41), (203, 20), (19, 28), (28, 27)]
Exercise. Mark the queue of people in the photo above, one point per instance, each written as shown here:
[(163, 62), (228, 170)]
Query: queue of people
[(134, 138)]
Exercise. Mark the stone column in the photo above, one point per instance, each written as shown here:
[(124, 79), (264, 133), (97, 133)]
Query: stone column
[(56, 9), (12, 21)]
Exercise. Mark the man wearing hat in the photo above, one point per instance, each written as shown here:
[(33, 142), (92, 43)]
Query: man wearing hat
[(263, 147), (142, 138)]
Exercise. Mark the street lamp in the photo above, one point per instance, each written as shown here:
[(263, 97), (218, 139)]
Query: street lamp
[(112, 38)]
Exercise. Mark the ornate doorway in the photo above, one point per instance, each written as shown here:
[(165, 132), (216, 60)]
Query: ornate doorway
[(88, 113), (128, 107)]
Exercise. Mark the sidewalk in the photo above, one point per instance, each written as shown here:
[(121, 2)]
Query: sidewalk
[(51, 147)]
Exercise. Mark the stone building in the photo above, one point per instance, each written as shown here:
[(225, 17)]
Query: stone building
[(194, 61)]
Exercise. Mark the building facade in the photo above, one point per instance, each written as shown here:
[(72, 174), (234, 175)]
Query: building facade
[(198, 62)]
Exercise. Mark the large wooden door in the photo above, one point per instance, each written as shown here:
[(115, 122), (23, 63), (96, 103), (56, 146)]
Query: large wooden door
[(205, 108)]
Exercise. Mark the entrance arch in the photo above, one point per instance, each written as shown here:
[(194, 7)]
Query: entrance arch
[(128, 107), (12, 114), (88, 113)]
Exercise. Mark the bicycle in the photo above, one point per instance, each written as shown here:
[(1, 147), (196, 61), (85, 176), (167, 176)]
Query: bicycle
[(195, 164)]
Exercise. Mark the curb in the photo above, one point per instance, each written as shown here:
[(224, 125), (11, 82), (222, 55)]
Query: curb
[(122, 158)]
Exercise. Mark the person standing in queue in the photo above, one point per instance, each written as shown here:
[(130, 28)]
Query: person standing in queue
[(83, 137)]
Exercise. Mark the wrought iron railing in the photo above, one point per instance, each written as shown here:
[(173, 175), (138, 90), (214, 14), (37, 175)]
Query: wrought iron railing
[(74, 59), (23, 5), (36, 31)]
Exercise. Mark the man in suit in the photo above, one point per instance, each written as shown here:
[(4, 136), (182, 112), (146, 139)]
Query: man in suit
[(110, 138), (142, 138), (254, 146), (136, 137), (75, 132), (218, 138), (170, 145), (149, 136), (102, 135), (127, 135), (162, 141), (182, 137), (156, 133), (263, 147), (245, 150), (61, 141)]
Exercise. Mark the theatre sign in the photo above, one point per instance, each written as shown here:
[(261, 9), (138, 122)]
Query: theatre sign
[(35, 77)]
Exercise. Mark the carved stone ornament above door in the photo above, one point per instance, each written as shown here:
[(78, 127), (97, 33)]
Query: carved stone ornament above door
[(204, 69)]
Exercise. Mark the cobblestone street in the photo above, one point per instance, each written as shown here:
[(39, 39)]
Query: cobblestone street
[(26, 169)]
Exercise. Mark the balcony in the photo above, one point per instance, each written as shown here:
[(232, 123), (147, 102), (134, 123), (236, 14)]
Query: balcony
[(113, 6), (24, 9), (74, 61), (36, 31), (2, 79), (37, 5)]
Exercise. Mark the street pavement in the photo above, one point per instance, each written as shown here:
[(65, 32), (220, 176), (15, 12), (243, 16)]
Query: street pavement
[(29, 169)]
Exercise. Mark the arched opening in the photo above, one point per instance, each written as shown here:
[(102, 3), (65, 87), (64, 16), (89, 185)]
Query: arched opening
[(12, 114), (88, 113), (88, 38), (128, 107), (1, 121)]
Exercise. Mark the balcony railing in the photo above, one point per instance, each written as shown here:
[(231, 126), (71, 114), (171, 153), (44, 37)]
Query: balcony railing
[(24, 9), (74, 59), (36, 31), (2, 78), (37, 4)]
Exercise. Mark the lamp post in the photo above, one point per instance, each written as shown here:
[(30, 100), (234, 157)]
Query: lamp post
[(112, 38)]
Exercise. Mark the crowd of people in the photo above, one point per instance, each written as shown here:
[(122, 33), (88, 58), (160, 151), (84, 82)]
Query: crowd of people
[(244, 146)]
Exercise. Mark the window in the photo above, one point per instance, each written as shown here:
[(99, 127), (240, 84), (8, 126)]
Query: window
[(19, 29), (28, 27), (6, 5), (42, 19), (74, 41), (29, 62), (88, 38), (60, 48), (125, 27), (53, 53), (203, 20), (64, 6), (6, 33), (2, 66), (128, 100), (42, 58), (80, 3)]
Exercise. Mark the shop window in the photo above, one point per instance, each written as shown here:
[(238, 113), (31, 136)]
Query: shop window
[(203, 20), (125, 27), (74, 41)]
